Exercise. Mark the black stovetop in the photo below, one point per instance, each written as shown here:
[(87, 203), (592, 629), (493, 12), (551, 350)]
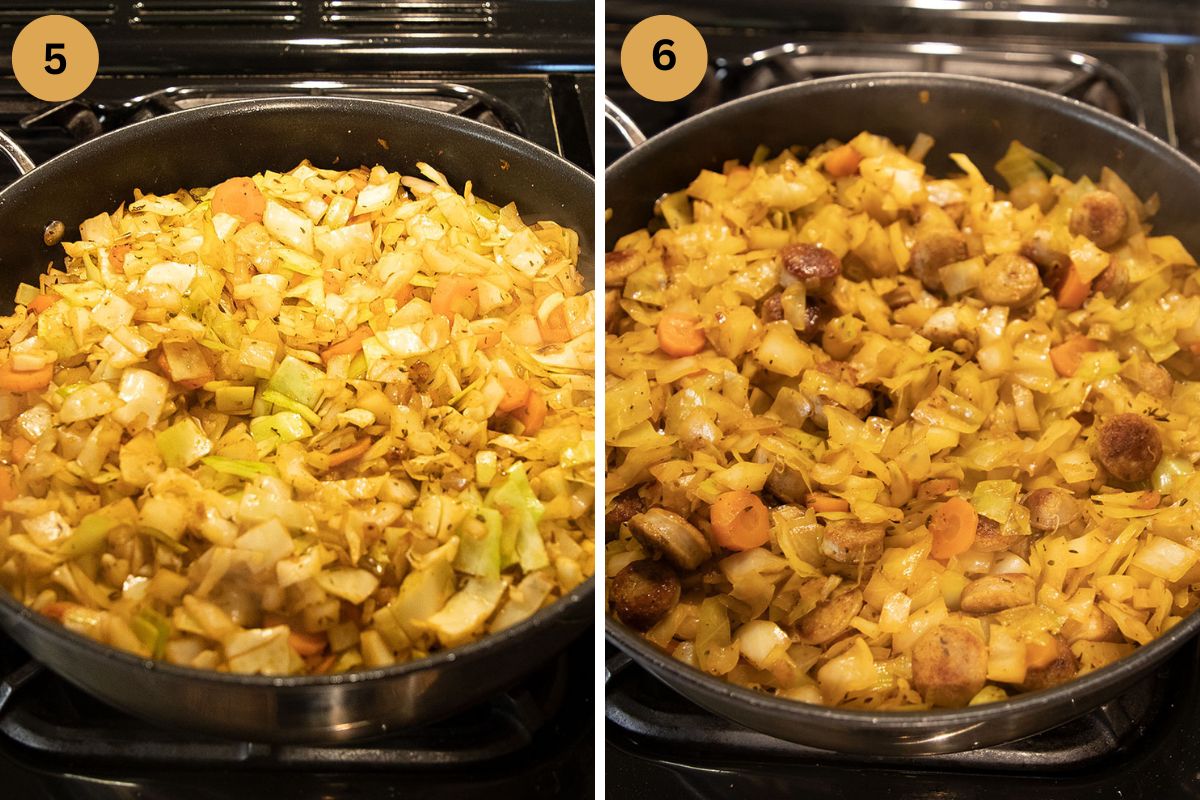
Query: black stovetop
[(1134, 58), (524, 66)]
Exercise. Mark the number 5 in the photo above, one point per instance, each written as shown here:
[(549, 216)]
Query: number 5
[(56, 63), (664, 59)]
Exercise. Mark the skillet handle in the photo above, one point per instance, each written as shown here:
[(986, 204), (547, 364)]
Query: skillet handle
[(16, 155), (624, 124)]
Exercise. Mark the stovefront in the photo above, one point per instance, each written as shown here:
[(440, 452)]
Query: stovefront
[(525, 67), (1134, 59)]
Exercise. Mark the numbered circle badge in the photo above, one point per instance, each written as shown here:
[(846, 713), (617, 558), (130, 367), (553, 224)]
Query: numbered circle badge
[(664, 58), (55, 58)]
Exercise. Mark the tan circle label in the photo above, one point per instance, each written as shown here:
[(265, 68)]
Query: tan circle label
[(55, 58), (664, 58)]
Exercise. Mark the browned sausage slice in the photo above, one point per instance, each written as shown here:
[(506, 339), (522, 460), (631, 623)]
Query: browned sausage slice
[(849, 541), (625, 507), (1130, 447), (643, 593), (990, 536), (1100, 216), (678, 540), (1052, 508), (992, 593), (1010, 280), (949, 665), (813, 266), (830, 618)]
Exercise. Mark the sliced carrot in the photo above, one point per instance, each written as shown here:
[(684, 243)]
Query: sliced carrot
[(404, 293), (8, 484), (1147, 500), (307, 644), (348, 346), (533, 415), (516, 394), (1073, 291), (740, 520), (953, 527), (842, 161), (20, 448), (325, 666), (680, 334), (1040, 651), (43, 301), (486, 339), (13, 381), (455, 295), (331, 282), (554, 328), (825, 502), (116, 255), (58, 609), (936, 487), (1067, 357), (352, 452), (241, 198)]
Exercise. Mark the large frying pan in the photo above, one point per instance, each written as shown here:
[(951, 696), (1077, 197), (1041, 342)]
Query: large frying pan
[(199, 148), (971, 115)]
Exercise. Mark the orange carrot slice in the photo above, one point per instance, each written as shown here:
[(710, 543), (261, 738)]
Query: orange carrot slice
[(953, 527), (455, 295), (842, 161), (43, 301), (352, 452), (13, 381), (825, 502), (241, 198), (1073, 291), (1147, 500), (533, 415), (740, 521), (554, 328), (306, 644), (679, 334), (20, 448), (1067, 357), (516, 394), (348, 346), (404, 293)]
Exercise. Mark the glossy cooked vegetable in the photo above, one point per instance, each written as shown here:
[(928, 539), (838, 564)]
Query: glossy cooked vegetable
[(970, 418), (300, 423)]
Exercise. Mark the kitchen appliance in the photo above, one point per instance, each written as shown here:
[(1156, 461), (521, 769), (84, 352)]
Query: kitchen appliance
[(1134, 61), (158, 56)]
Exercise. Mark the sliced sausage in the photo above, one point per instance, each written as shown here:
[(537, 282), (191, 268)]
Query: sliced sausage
[(830, 619), (1052, 508), (788, 484), (1100, 216), (1009, 280), (1053, 264), (1097, 627), (678, 540), (933, 250), (993, 593), (900, 297), (1061, 669), (849, 541), (643, 593), (625, 507), (772, 308), (990, 536), (619, 265), (812, 265), (1112, 282), (949, 665), (1129, 447), (943, 328)]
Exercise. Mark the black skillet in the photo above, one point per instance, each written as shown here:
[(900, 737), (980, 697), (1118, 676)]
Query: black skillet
[(971, 115), (203, 146)]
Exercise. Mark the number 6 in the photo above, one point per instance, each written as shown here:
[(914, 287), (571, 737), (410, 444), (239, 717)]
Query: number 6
[(56, 63), (664, 59)]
